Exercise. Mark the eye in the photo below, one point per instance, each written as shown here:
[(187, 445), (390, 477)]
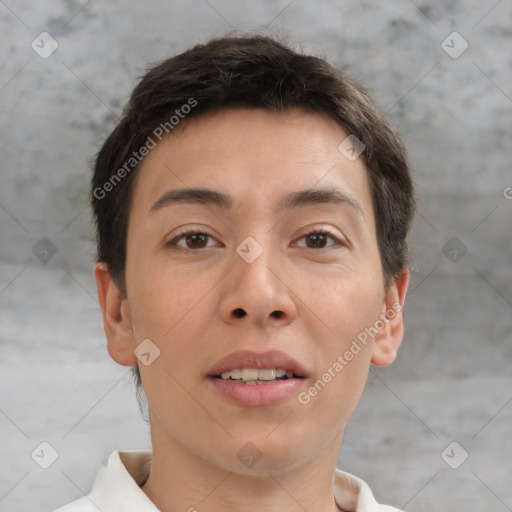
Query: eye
[(317, 239), (193, 239), (196, 240)]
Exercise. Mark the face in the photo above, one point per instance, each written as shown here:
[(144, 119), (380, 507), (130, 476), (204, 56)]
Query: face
[(259, 270)]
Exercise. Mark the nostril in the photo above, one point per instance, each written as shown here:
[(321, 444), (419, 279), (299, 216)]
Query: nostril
[(239, 312), (277, 314)]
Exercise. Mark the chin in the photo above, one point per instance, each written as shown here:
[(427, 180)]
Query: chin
[(259, 456)]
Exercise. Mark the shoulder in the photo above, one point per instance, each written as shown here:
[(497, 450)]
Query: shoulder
[(117, 485)]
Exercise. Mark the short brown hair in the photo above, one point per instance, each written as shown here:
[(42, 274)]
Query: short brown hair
[(252, 71)]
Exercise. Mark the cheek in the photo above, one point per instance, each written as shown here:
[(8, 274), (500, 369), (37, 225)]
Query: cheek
[(343, 313), (160, 296), (175, 312), (344, 306), (335, 390)]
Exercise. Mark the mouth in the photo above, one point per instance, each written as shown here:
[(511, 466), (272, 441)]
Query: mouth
[(263, 367), (258, 377), (252, 379)]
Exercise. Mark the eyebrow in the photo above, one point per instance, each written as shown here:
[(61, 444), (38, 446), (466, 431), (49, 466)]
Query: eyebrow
[(206, 196)]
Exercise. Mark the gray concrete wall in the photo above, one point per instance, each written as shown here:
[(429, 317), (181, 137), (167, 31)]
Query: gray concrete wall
[(452, 381)]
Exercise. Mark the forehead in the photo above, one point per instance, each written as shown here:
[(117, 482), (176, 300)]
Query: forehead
[(256, 156)]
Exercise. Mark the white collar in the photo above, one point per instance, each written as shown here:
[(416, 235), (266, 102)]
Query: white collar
[(116, 487)]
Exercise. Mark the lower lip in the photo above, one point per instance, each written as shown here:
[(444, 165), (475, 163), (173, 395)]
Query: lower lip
[(257, 395)]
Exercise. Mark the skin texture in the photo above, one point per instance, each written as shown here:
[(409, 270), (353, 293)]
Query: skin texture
[(327, 292)]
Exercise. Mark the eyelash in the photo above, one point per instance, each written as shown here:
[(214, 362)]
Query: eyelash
[(172, 244)]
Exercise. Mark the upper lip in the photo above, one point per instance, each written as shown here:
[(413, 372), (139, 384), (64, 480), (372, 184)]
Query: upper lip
[(248, 359)]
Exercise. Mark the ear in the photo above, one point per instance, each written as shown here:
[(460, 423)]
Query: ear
[(387, 341), (116, 318)]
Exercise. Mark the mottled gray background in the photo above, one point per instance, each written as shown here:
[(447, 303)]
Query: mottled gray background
[(452, 381)]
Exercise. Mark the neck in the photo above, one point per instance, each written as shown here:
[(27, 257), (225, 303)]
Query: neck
[(181, 480)]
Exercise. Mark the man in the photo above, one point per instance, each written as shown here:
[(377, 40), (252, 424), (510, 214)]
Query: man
[(252, 208)]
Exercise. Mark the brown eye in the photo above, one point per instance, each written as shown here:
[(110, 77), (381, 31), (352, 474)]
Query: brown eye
[(193, 240), (318, 240), (196, 240)]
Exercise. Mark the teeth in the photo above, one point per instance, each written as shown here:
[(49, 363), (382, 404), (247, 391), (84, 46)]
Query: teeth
[(254, 382), (267, 374), (252, 375), (249, 374), (235, 374)]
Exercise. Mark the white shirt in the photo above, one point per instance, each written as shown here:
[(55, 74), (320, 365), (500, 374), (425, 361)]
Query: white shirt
[(117, 488)]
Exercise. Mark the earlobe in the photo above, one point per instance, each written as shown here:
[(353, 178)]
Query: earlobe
[(116, 317), (390, 337)]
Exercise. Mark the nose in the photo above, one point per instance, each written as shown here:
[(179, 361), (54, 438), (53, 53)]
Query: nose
[(257, 292)]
